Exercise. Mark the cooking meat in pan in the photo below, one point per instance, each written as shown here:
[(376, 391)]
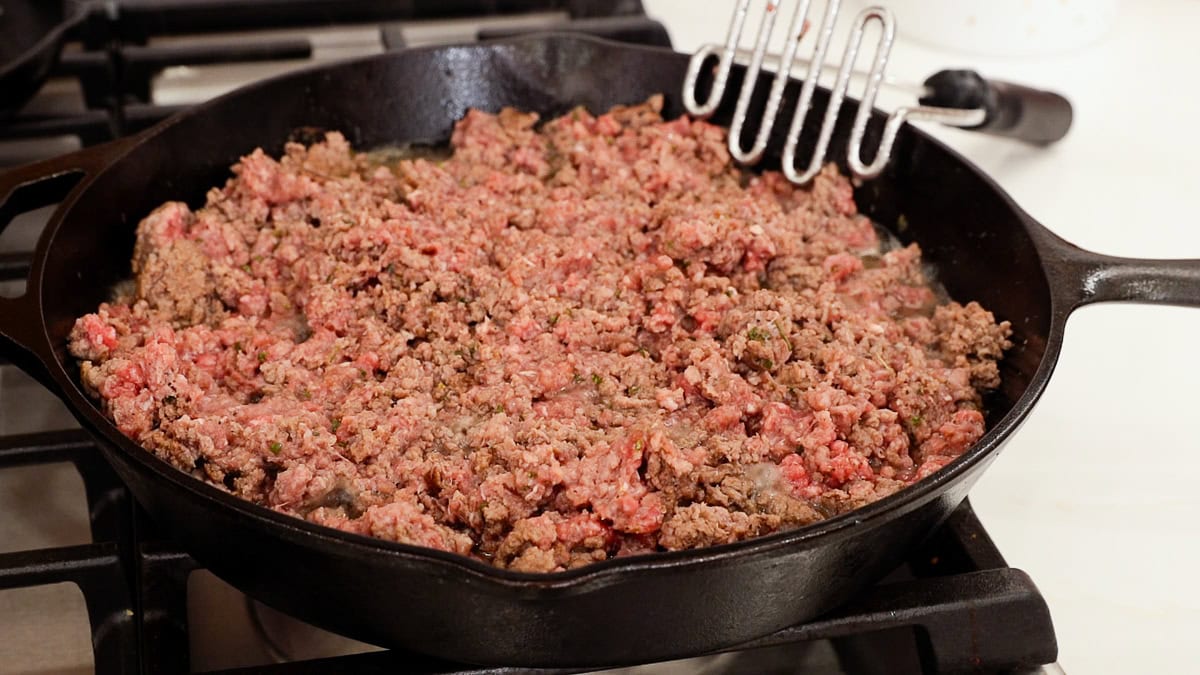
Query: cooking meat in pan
[(569, 340)]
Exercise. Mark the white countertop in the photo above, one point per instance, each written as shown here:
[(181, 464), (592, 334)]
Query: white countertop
[(1093, 496)]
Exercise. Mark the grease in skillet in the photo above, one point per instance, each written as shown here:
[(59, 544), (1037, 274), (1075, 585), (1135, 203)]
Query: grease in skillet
[(561, 343)]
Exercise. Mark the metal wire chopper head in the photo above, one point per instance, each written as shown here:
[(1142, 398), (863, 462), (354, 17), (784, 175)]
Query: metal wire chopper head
[(957, 116)]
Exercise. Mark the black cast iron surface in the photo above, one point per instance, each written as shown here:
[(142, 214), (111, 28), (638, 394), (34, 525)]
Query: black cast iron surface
[(637, 609), (961, 606)]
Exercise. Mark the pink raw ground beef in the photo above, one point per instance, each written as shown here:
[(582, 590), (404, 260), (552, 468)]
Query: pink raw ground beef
[(590, 338)]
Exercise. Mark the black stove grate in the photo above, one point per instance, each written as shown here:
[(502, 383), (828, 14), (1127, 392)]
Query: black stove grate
[(115, 65), (955, 607)]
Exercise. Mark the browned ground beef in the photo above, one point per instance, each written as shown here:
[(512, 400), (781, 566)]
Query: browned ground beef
[(587, 339)]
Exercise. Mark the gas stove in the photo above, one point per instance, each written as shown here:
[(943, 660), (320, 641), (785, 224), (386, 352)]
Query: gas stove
[(88, 585)]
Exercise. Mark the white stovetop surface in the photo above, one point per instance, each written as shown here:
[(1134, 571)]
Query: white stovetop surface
[(1095, 496)]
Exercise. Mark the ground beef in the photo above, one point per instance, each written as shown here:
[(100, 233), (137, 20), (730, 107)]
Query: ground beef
[(569, 341)]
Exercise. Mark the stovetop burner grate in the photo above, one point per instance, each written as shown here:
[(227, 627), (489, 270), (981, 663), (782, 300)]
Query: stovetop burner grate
[(955, 607), (114, 61)]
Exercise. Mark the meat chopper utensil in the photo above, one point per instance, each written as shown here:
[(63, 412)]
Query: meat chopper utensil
[(960, 98)]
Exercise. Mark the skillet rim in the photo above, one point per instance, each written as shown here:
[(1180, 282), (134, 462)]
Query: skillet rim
[(466, 569)]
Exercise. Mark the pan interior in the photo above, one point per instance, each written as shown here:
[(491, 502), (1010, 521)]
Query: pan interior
[(978, 247), (969, 230)]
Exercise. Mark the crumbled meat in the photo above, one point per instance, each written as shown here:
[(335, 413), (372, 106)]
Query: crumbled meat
[(699, 524), (970, 336), (569, 341)]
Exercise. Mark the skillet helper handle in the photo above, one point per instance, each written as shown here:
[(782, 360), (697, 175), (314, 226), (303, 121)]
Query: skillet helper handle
[(1015, 111), (23, 189)]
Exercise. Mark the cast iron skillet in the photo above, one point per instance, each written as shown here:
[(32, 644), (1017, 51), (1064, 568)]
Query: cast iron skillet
[(633, 609)]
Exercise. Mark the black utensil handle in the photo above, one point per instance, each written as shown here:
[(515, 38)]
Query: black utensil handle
[(1013, 110), (22, 189)]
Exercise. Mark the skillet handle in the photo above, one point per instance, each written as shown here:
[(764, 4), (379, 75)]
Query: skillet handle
[(23, 339), (1084, 277)]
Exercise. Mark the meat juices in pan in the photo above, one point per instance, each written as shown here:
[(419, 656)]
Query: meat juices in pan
[(587, 338)]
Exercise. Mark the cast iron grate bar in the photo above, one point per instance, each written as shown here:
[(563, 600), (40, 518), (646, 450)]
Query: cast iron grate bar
[(129, 69), (108, 501), (44, 447), (91, 127), (162, 590), (104, 570), (137, 19), (989, 618), (15, 266), (100, 575)]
